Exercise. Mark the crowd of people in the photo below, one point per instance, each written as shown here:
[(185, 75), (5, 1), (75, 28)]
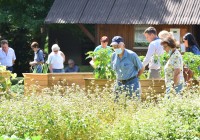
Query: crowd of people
[(124, 62), (128, 66)]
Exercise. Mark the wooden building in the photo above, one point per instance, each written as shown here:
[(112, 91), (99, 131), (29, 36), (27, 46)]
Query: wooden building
[(127, 18)]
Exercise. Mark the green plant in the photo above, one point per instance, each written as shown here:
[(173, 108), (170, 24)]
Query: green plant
[(5, 79), (45, 68), (102, 63), (193, 62)]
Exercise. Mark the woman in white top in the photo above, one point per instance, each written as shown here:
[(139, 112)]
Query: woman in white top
[(56, 59)]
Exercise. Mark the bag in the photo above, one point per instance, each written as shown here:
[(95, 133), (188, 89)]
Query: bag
[(44, 55)]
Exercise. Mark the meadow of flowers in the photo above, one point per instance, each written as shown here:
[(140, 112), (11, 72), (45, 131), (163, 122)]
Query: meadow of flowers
[(71, 113)]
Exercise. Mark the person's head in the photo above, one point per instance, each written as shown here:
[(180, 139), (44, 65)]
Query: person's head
[(168, 44), (71, 63), (164, 34), (150, 33), (34, 46), (104, 41), (118, 44), (4, 45), (55, 48), (189, 40)]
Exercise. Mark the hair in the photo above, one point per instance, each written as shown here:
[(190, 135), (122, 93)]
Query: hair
[(164, 34), (191, 40), (71, 60), (4, 42), (55, 47), (34, 45), (169, 41), (150, 30)]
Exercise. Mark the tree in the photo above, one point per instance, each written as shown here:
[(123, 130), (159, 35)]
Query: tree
[(20, 24)]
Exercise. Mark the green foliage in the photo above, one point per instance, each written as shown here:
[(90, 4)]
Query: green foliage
[(78, 115), (102, 63), (5, 79), (193, 62), (20, 24), (45, 68), (141, 44)]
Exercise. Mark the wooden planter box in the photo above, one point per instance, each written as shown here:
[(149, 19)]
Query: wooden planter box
[(50, 79), (91, 84), (149, 87)]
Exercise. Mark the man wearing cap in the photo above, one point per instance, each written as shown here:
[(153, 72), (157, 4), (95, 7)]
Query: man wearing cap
[(153, 54), (127, 66), (7, 55)]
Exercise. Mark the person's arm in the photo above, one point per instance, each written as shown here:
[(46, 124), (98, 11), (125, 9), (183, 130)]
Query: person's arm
[(14, 57), (150, 53), (63, 55), (176, 76), (141, 71), (138, 64)]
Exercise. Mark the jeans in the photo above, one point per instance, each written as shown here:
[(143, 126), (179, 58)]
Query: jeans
[(58, 70), (129, 87), (177, 88), (38, 68)]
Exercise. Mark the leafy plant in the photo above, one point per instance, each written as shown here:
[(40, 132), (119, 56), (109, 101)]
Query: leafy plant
[(45, 68), (5, 79), (193, 62), (102, 63)]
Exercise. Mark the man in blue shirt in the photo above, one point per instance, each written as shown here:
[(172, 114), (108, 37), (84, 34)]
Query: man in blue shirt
[(72, 67), (127, 66)]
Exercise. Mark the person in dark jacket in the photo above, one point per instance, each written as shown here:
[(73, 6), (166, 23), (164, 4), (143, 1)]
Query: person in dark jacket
[(191, 44)]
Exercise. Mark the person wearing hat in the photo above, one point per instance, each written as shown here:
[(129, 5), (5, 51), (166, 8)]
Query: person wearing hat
[(127, 66), (174, 67), (56, 59), (38, 57), (154, 51)]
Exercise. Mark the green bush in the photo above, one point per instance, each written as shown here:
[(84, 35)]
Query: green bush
[(77, 115)]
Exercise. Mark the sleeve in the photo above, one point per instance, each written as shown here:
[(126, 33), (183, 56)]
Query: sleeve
[(41, 56), (49, 59), (150, 53), (14, 56), (137, 62)]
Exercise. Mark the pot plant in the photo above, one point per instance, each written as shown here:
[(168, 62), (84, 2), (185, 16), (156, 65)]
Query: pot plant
[(103, 73)]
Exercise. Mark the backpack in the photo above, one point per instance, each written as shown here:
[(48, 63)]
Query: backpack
[(44, 55)]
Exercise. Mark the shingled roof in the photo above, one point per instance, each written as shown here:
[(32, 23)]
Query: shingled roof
[(184, 12)]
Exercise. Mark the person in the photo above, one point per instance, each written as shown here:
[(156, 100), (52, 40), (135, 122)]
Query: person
[(7, 55), (154, 51), (38, 58), (174, 66), (127, 66), (72, 67), (191, 44), (56, 59), (104, 43)]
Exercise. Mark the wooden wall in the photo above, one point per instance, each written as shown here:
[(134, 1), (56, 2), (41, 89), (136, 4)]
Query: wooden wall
[(127, 32), (111, 30)]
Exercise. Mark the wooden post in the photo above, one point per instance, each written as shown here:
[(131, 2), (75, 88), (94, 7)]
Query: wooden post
[(89, 35)]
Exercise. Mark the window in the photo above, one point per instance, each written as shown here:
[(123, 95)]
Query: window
[(140, 41)]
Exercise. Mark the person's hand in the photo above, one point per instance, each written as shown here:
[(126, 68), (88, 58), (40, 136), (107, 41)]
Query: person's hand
[(32, 63)]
